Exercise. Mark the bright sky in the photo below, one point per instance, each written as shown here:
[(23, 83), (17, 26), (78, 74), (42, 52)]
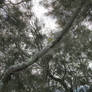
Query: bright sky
[(90, 65), (40, 11)]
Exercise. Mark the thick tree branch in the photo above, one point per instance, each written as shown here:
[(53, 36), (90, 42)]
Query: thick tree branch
[(19, 67)]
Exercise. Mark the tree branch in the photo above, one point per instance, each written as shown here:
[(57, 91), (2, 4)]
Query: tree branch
[(16, 3), (21, 66), (58, 80)]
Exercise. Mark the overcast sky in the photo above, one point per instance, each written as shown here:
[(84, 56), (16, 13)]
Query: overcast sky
[(40, 11)]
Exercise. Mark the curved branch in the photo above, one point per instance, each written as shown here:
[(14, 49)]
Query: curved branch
[(21, 66), (16, 3)]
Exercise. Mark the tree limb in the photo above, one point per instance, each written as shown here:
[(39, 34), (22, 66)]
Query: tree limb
[(58, 80), (21, 66)]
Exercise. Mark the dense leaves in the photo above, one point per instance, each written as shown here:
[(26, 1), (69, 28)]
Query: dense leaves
[(66, 67)]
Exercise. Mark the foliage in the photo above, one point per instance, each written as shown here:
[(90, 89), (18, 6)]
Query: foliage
[(21, 37)]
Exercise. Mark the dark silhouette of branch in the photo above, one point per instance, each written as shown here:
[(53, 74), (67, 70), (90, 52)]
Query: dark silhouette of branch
[(16, 3), (61, 81)]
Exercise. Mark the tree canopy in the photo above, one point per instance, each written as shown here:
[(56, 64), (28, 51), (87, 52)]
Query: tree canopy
[(30, 61)]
